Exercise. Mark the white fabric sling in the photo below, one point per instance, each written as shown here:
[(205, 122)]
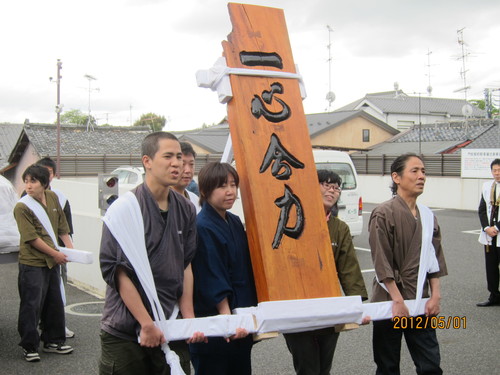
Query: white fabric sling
[(60, 195), (428, 261), (124, 221), (428, 264)]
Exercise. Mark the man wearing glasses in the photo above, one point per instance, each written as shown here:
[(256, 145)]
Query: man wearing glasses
[(313, 351)]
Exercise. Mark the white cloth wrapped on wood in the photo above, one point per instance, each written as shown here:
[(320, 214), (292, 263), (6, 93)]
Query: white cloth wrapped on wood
[(77, 256), (211, 326), (383, 310)]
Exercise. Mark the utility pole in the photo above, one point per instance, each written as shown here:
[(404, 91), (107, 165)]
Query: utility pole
[(58, 111), (330, 96), (419, 122), (429, 87)]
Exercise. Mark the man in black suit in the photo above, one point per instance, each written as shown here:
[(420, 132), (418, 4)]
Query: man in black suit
[(490, 224)]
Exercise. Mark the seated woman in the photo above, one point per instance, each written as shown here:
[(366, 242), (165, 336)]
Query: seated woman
[(223, 278)]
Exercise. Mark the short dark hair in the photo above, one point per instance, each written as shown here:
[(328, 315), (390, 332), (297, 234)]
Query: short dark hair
[(149, 144), (212, 176), (325, 175), (398, 166), (47, 163), (39, 173), (187, 149), (495, 162)]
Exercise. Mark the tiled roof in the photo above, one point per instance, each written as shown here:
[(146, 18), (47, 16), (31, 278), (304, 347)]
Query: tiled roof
[(440, 138), (489, 139), (402, 148), (454, 131), (215, 142), (9, 134), (389, 102), (77, 140)]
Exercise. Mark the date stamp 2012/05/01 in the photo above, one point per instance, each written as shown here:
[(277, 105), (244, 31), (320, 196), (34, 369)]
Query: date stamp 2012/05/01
[(434, 322)]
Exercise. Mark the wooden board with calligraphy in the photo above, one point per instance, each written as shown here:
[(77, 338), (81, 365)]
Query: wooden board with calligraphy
[(289, 242)]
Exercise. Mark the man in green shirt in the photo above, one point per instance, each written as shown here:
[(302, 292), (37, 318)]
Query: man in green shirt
[(313, 351), (39, 260)]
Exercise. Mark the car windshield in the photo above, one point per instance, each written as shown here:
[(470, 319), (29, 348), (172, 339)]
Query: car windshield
[(345, 172), (122, 176)]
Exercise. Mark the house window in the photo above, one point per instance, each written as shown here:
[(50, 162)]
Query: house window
[(403, 125), (366, 135)]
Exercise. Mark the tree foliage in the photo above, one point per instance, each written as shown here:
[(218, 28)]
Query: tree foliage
[(77, 117), (152, 120), (481, 104)]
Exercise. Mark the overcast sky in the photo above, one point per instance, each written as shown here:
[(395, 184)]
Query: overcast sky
[(144, 53)]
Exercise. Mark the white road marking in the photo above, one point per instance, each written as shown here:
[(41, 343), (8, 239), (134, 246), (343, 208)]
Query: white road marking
[(475, 231), (362, 249), (69, 309)]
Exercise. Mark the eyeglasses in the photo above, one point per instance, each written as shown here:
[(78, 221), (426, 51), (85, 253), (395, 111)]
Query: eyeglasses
[(331, 186)]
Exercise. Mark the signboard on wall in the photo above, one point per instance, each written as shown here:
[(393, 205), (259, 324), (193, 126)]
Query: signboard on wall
[(476, 162)]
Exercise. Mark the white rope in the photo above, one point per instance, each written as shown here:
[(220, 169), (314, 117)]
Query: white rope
[(217, 78)]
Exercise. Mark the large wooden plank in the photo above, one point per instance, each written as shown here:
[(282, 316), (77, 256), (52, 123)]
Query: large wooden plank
[(293, 260)]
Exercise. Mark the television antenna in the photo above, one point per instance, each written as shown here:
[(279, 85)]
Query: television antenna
[(90, 78), (463, 57)]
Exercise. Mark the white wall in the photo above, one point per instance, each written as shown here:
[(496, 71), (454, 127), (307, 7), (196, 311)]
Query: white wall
[(87, 225), (443, 192)]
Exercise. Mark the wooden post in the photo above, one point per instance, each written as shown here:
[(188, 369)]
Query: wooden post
[(290, 246)]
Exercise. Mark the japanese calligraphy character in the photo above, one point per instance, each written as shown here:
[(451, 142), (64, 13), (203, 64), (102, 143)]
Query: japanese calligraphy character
[(261, 59), (283, 160), (259, 108), (285, 203)]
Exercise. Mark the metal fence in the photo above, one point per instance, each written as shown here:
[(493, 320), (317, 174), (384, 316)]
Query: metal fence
[(92, 165), (435, 165)]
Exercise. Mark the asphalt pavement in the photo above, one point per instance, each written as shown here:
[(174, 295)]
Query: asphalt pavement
[(472, 349)]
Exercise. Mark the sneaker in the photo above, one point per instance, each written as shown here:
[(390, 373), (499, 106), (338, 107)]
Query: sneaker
[(69, 333), (57, 348), (31, 355)]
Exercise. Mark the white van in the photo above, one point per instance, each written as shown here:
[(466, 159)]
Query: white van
[(351, 203)]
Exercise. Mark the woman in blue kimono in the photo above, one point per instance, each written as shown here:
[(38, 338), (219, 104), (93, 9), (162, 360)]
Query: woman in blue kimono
[(223, 278)]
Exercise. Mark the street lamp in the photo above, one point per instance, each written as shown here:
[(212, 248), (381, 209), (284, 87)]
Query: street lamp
[(419, 122)]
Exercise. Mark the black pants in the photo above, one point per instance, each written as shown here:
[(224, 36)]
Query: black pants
[(123, 357), (422, 345), (41, 302), (492, 258), (312, 351), (218, 357)]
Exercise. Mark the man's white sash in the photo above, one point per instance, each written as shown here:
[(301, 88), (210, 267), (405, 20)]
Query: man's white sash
[(73, 255), (60, 196), (428, 264), (428, 259), (124, 221)]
